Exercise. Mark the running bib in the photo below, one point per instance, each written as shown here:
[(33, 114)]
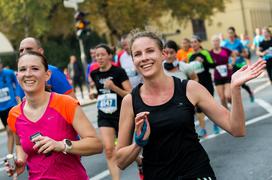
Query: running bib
[(107, 103), (197, 66), (4, 95), (223, 70)]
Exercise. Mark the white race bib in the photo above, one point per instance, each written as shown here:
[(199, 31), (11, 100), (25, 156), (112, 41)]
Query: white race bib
[(107, 103), (223, 70), (4, 95)]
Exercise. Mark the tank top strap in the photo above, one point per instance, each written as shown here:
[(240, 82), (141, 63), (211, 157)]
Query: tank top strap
[(135, 93), (181, 89)]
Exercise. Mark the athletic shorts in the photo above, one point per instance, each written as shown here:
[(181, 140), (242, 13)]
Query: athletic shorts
[(199, 178), (206, 171), (4, 116), (222, 81), (109, 123)]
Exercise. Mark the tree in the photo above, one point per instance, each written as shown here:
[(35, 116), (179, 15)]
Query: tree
[(120, 16), (21, 18), (196, 11)]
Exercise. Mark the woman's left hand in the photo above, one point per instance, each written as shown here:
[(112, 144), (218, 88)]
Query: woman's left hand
[(247, 73), (45, 145)]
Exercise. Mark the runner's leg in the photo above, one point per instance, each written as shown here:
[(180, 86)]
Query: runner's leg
[(220, 91), (108, 136), (227, 92)]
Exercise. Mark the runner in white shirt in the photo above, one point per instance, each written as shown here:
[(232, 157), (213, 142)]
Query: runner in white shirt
[(125, 61)]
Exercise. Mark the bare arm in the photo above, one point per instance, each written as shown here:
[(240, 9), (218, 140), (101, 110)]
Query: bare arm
[(88, 144), (21, 156), (232, 121), (122, 92), (127, 150)]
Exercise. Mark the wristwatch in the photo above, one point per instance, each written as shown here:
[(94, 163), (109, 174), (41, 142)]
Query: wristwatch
[(68, 145)]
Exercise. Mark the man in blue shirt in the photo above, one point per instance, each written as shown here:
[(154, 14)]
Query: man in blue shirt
[(8, 99), (58, 81)]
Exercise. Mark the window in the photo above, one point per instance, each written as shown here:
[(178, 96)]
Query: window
[(199, 28)]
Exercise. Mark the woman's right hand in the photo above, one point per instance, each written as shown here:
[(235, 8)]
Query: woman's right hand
[(19, 169), (139, 122)]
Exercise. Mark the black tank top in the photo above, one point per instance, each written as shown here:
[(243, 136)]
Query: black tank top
[(173, 149)]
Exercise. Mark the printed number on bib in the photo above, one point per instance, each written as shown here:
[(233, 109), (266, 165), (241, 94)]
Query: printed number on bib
[(4, 95), (107, 103), (223, 70)]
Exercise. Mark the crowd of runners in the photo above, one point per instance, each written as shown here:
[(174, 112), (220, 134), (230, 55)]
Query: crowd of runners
[(148, 97)]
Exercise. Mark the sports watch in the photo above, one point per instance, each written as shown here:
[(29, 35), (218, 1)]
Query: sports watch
[(68, 145)]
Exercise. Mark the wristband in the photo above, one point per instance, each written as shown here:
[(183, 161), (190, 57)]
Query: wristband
[(139, 139)]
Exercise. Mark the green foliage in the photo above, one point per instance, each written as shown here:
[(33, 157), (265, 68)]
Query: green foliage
[(197, 9), (59, 49), (21, 18), (122, 16), (53, 24)]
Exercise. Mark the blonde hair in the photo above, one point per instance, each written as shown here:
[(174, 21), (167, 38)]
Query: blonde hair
[(215, 37)]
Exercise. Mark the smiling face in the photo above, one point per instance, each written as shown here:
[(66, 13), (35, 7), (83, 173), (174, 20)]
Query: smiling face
[(32, 75), (147, 56)]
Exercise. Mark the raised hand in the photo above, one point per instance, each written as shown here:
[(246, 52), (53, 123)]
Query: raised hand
[(247, 73)]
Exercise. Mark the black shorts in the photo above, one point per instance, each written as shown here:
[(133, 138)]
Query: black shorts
[(206, 171), (222, 81), (109, 123), (4, 116)]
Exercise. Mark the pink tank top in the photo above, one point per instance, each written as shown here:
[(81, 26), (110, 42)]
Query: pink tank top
[(55, 123)]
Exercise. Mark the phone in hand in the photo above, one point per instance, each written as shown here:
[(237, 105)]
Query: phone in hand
[(37, 134)]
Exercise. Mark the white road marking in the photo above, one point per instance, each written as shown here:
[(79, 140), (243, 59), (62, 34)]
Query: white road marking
[(249, 122), (101, 175), (265, 105), (261, 87)]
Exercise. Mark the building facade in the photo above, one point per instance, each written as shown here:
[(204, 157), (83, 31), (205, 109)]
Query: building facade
[(244, 15)]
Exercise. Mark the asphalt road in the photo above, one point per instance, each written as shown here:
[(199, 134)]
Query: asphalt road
[(247, 158)]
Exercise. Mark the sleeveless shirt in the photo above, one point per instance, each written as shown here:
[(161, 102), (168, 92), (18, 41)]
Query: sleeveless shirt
[(173, 149)]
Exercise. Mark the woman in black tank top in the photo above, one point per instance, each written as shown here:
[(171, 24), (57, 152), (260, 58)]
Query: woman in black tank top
[(160, 113)]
